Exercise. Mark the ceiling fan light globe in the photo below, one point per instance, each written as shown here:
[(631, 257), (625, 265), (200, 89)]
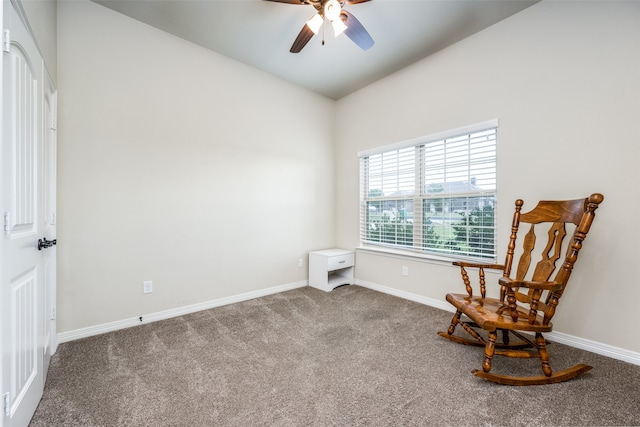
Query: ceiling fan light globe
[(338, 27), (315, 23), (332, 10)]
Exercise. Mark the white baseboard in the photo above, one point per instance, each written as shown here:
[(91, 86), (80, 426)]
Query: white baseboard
[(595, 347), (442, 305), (562, 338), (559, 337), (174, 312)]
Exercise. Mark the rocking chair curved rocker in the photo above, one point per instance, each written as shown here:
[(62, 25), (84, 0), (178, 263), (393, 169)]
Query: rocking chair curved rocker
[(527, 302)]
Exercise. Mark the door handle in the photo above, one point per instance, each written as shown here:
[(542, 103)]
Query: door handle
[(44, 243)]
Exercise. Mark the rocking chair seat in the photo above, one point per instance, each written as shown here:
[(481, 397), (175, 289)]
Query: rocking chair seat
[(491, 314)]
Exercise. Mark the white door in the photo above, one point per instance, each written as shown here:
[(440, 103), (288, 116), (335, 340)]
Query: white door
[(22, 199), (50, 149)]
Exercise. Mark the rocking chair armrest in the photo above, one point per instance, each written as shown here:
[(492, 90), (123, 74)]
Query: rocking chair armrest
[(478, 265), (511, 283)]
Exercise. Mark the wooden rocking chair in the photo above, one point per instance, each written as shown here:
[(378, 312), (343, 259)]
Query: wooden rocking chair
[(527, 303)]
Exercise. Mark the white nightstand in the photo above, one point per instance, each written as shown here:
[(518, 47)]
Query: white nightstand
[(331, 268)]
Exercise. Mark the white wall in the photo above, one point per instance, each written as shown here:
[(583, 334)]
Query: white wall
[(563, 80), (42, 20), (180, 166)]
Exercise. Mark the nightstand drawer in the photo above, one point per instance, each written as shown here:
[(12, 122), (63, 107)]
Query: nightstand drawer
[(340, 261)]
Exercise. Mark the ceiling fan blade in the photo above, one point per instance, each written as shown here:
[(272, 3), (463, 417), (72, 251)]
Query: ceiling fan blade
[(351, 1), (355, 31), (291, 1), (303, 38)]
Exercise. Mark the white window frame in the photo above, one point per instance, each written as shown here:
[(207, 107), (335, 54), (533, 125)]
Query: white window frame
[(412, 174)]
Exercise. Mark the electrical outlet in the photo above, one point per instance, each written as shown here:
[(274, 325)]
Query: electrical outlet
[(300, 262), (405, 270), (147, 287)]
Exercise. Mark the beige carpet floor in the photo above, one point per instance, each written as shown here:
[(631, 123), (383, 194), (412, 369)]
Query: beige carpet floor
[(350, 357)]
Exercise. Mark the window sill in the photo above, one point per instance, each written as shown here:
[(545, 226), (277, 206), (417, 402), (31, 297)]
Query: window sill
[(414, 256)]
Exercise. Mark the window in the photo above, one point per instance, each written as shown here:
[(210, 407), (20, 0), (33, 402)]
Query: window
[(433, 195)]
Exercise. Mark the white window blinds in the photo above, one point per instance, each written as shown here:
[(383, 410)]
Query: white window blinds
[(433, 195)]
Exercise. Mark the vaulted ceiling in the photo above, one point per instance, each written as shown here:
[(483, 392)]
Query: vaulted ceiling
[(259, 33)]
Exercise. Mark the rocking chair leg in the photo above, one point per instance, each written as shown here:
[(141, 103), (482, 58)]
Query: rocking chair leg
[(544, 354), (468, 327), (489, 351), (505, 336), (454, 322)]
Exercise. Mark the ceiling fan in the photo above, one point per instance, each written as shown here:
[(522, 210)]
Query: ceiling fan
[(341, 20)]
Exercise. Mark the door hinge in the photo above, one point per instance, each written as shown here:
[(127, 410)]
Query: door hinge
[(6, 41), (6, 399), (53, 313), (6, 222)]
